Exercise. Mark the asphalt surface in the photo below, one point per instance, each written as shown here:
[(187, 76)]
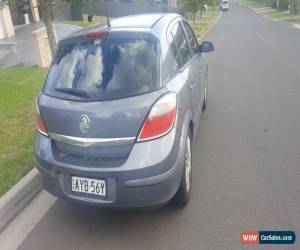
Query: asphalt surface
[(246, 161)]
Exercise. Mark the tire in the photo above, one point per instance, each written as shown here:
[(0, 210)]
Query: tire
[(204, 105), (181, 198)]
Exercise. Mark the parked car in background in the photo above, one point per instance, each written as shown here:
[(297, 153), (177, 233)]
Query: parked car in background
[(224, 5), (120, 110)]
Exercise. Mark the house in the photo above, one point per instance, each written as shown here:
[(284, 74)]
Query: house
[(11, 16)]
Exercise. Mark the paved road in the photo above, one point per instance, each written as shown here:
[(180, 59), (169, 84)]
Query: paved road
[(246, 158)]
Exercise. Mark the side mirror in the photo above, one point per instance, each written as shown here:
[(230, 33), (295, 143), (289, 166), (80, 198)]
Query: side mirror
[(205, 47)]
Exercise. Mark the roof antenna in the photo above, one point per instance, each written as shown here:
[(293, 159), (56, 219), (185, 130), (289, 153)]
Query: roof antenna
[(107, 18)]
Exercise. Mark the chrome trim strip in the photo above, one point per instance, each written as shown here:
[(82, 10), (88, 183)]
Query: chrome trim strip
[(85, 142), (41, 132)]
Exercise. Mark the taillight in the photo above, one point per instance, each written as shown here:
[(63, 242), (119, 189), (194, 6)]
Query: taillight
[(161, 118), (41, 127), (98, 34)]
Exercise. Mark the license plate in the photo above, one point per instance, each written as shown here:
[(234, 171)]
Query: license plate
[(88, 185)]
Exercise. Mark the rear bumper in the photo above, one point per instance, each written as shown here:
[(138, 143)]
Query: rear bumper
[(150, 176)]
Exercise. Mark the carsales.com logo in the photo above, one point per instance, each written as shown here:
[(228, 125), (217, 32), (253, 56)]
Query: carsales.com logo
[(267, 237)]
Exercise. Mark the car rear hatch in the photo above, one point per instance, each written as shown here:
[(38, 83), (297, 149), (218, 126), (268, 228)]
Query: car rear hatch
[(97, 95)]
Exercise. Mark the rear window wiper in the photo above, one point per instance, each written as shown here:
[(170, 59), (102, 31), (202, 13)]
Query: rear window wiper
[(76, 92)]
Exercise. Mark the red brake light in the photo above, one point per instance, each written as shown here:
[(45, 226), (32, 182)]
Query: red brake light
[(40, 123), (98, 34), (161, 118)]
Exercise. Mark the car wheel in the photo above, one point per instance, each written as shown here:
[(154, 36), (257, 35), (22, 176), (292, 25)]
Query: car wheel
[(182, 196), (204, 105)]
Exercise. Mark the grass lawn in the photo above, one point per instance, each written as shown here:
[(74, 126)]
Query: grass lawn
[(18, 89), (253, 3), (73, 22), (271, 13), (284, 16), (84, 22), (208, 18), (292, 19)]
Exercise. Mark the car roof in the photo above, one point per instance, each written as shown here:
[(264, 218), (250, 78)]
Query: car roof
[(137, 21), (142, 22)]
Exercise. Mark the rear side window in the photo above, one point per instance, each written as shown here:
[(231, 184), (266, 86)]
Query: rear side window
[(118, 66), (179, 45), (190, 35)]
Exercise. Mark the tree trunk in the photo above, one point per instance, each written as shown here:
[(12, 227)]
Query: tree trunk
[(194, 17), (51, 35), (201, 12), (47, 17), (292, 9)]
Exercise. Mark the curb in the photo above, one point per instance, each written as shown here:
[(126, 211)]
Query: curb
[(203, 33), (17, 197), (293, 25)]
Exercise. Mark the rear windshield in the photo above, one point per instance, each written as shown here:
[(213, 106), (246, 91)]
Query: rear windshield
[(225, 2), (120, 65)]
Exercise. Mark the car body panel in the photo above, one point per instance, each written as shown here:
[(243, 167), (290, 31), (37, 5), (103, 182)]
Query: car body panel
[(129, 112), (137, 174), (225, 5)]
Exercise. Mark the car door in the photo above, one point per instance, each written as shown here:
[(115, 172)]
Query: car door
[(182, 53), (197, 87)]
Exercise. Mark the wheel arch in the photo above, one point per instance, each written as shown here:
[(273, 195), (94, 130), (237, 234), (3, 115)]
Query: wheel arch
[(188, 124)]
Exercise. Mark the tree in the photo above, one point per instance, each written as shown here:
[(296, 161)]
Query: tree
[(194, 6), (282, 5), (294, 7), (213, 3), (201, 7), (46, 7), (291, 5), (191, 5)]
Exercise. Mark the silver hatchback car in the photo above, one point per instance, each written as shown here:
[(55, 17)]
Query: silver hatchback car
[(119, 111)]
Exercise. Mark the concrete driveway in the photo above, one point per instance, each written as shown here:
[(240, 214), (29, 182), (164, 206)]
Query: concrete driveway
[(24, 44)]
